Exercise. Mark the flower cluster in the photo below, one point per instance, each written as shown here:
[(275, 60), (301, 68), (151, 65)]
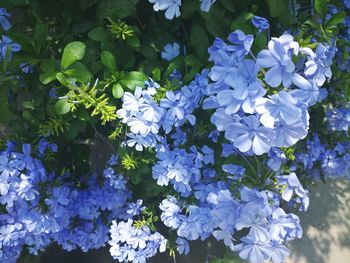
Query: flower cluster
[(339, 118), (39, 207), (226, 218), (181, 169), (321, 161), (252, 121), (145, 116), (134, 244)]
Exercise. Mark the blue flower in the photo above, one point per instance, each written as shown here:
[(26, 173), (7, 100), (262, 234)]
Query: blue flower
[(9, 235), (241, 43), (293, 185), (7, 46), (260, 23), (175, 75), (250, 135), (172, 7), (318, 63), (287, 135), (182, 246), (254, 250), (347, 3), (246, 88), (170, 216), (277, 157), (171, 51), (53, 93), (4, 22), (236, 170), (179, 107), (280, 107), (131, 244), (44, 144), (279, 59), (308, 90), (339, 118), (206, 5)]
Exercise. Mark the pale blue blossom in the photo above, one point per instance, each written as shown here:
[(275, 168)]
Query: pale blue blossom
[(280, 107), (171, 51), (307, 90), (206, 5), (250, 135), (172, 7), (279, 59)]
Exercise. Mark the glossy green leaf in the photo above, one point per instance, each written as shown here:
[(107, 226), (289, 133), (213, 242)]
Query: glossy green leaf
[(73, 52), (62, 106), (321, 7), (47, 77), (133, 79), (108, 60), (117, 91), (336, 19), (79, 72), (200, 42)]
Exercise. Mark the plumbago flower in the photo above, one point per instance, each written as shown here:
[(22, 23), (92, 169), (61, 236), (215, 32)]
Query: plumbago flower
[(130, 244), (7, 47), (4, 19), (279, 59), (146, 118), (251, 118), (260, 23), (172, 7), (40, 207), (255, 119), (171, 51)]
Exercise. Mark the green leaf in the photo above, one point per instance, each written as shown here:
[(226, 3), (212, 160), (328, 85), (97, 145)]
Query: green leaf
[(133, 79), (74, 129), (200, 42), (117, 91), (336, 19), (229, 5), (4, 111), (47, 65), (85, 4), (62, 79), (47, 77), (133, 41), (260, 41), (73, 52), (108, 60), (116, 9), (99, 34), (276, 7), (189, 8), (83, 115), (243, 23), (29, 104), (28, 117), (156, 74), (62, 106), (41, 32), (321, 7), (79, 72)]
